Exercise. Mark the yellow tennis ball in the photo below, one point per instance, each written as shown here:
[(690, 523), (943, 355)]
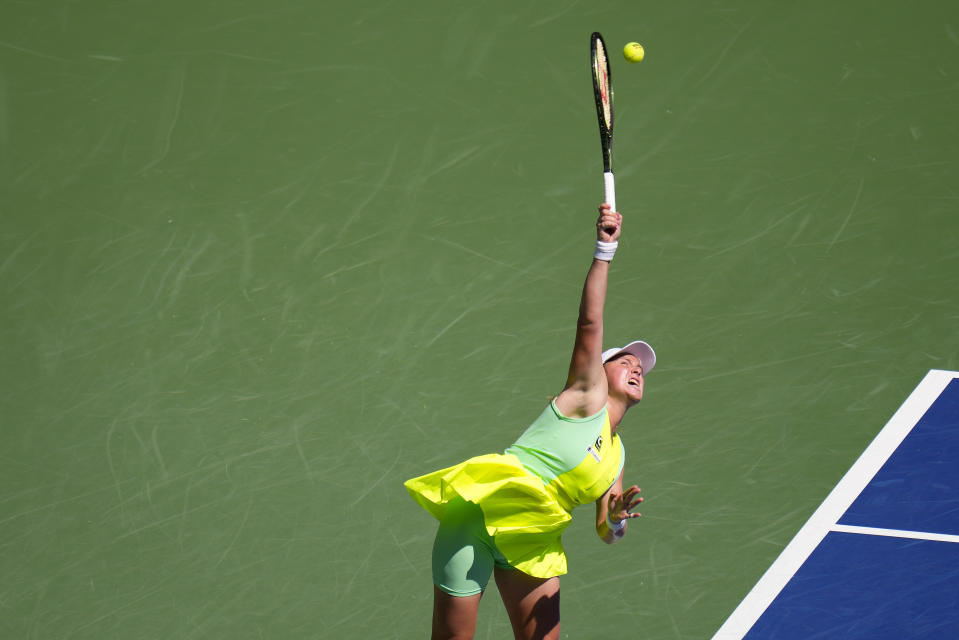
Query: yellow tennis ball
[(634, 52)]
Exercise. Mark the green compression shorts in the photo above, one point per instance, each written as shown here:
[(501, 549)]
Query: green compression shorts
[(464, 554)]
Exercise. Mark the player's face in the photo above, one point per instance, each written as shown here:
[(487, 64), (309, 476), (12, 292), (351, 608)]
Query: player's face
[(625, 377)]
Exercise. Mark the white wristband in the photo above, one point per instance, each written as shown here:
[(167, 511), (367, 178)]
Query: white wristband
[(605, 250), (615, 527)]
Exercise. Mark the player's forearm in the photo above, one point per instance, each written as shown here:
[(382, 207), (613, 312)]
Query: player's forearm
[(594, 296)]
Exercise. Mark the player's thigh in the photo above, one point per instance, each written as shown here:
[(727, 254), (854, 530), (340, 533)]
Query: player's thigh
[(463, 552), (454, 617), (532, 603)]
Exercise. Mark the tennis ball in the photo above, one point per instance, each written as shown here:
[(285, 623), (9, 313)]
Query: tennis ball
[(634, 52)]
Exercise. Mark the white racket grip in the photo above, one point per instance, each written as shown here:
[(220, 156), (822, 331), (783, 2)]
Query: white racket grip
[(610, 185)]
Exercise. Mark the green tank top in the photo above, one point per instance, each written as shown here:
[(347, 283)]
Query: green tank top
[(577, 458)]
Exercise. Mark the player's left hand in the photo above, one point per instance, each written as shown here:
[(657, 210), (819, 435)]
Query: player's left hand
[(620, 505)]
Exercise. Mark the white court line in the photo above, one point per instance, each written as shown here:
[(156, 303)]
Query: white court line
[(838, 501), (895, 533)]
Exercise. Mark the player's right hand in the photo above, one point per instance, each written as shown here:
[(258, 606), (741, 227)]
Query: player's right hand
[(608, 226)]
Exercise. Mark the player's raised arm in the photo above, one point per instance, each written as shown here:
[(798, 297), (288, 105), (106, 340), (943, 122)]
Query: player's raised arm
[(585, 391)]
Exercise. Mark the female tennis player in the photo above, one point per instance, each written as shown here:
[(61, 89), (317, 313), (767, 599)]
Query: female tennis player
[(504, 514)]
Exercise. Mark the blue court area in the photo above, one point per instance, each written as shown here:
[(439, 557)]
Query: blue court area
[(867, 586), (880, 558), (918, 487)]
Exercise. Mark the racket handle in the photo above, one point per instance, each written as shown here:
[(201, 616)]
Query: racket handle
[(610, 184)]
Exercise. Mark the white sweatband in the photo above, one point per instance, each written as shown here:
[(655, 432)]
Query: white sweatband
[(605, 250), (615, 527)]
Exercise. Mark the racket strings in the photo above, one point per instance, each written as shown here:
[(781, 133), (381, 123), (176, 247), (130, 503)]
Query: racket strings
[(602, 79)]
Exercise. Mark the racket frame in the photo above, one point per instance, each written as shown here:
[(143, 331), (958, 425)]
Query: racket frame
[(599, 63)]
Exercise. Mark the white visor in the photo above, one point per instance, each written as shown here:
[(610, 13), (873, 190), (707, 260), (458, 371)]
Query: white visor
[(645, 353)]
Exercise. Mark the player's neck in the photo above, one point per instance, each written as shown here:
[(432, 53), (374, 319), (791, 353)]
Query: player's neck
[(616, 409)]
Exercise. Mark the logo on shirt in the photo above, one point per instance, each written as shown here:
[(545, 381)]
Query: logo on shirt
[(594, 449)]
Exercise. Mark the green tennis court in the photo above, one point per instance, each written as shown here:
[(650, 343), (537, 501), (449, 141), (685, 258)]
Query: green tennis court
[(261, 262)]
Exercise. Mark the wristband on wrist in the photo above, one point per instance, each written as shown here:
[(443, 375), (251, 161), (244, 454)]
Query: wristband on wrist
[(605, 250), (615, 527)]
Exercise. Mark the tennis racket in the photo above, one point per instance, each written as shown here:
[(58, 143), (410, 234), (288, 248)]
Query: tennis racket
[(603, 91)]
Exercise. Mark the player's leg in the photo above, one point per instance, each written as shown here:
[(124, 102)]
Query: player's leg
[(532, 604), (454, 617), (462, 566)]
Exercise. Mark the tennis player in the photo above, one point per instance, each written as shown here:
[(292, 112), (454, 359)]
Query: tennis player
[(504, 514)]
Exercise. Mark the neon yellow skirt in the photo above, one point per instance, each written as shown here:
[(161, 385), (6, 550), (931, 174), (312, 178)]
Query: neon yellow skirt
[(522, 515)]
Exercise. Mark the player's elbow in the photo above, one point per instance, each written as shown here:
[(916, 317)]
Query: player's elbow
[(590, 324)]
